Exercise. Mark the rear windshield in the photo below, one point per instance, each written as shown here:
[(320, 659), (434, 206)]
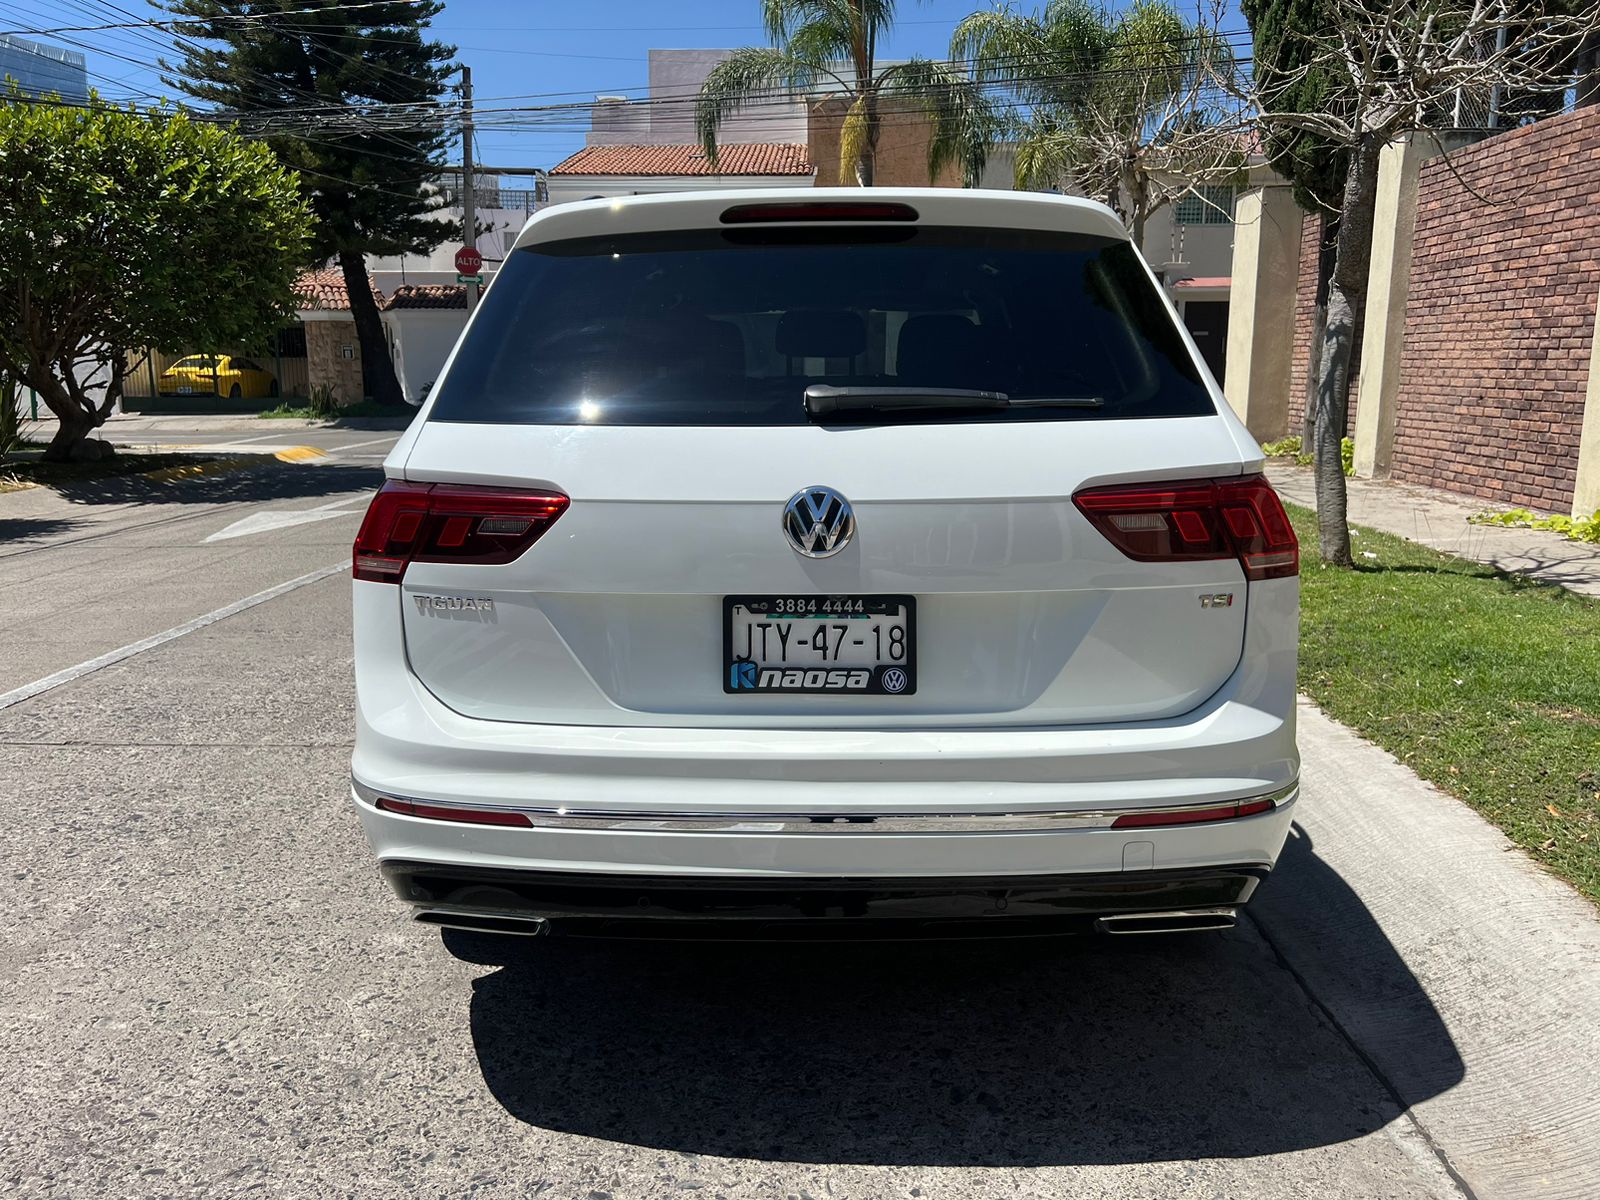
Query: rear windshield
[(729, 327)]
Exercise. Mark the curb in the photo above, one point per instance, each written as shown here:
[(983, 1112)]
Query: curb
[(226, 466), (219, 466), (215, 466)]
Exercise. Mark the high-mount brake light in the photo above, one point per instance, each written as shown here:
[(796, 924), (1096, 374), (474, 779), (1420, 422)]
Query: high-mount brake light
[(1198, 519), (817, 210), (442, 522)]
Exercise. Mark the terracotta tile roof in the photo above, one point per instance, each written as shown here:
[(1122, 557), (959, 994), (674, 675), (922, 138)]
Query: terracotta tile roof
[(324, 289), (427, 295), (760, 158)]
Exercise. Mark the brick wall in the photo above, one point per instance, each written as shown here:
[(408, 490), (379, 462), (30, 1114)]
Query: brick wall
[(1305, 303), (1501, 315), (903, 137)]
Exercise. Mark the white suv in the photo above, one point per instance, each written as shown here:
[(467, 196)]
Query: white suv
[(830, 561)]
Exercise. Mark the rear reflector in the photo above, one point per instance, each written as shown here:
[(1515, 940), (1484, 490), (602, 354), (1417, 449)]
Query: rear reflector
[(810, 210), (442, 522), (1191, 816), (465, 816), (1198, 519)]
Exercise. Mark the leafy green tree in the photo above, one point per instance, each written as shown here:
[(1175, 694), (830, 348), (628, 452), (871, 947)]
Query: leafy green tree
[(1393, 70), (311, 76), (127, 230), (1126, 108), (835, 43)]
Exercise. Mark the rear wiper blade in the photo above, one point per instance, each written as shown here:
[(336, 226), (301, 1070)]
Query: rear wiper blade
[(1056, 402), (823, 399)]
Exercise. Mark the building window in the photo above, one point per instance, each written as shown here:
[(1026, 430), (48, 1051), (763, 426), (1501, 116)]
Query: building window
[(1208, 205)]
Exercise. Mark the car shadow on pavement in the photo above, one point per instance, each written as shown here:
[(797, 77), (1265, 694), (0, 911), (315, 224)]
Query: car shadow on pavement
[(257, 484), (1093, 1050)]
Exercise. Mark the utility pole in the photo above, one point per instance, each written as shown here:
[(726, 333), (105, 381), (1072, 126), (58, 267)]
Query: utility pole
[(469, 212)]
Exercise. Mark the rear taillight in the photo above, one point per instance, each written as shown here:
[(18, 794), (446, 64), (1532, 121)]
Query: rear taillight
[(442, 522), (1194, 519)]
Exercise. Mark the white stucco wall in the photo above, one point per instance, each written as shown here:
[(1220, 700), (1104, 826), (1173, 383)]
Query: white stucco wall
[(422, 340), (674, 75)]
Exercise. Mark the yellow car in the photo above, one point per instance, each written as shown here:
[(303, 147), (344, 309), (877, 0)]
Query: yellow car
[(218, 375)]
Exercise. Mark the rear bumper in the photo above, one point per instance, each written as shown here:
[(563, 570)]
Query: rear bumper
[(765, 804), (608, 905)]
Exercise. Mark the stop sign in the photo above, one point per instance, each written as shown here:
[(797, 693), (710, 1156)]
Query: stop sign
[(468, 261)]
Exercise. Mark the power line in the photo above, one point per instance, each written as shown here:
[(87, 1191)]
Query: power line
[(244, 18), (441, 116)]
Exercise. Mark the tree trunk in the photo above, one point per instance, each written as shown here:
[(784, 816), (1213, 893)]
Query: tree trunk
[(1319, 325), (377, 367), (1586, 62), (74, 421), (1138, 193), (1347, 294), (867, 163)]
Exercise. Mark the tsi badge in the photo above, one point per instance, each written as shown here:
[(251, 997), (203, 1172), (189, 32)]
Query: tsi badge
[(449, 606), (1216, 600)]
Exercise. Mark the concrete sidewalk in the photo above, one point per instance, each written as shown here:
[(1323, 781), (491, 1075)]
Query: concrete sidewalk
[(1439, 519), (1478, 1003)]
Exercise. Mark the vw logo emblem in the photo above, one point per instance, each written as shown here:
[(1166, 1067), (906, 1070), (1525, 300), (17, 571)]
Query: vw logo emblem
[(818, 521), (894, 680)]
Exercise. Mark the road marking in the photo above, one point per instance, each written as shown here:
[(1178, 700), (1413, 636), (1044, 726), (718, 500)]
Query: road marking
[(262, 522), (29, 690), (357, 445)]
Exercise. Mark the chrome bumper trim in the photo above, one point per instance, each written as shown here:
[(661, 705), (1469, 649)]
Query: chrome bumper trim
[(631, 821)]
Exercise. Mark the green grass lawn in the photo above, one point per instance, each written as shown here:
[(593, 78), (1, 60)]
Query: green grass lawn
[(1485, 684)]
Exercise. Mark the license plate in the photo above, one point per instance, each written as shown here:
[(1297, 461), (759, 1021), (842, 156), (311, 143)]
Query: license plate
[(183, 391), (827, 645)]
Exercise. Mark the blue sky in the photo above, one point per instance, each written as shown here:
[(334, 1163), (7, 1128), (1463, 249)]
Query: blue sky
[(617, 34), (537, 47)]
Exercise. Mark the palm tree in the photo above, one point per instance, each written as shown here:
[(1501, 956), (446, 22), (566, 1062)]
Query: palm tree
[(1118, 106), (835, 43)]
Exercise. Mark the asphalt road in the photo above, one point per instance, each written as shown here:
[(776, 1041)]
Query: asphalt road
[(205, 989)]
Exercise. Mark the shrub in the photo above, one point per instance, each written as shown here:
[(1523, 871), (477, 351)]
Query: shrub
[(323, 401), (1577, 529), (1290, 447)]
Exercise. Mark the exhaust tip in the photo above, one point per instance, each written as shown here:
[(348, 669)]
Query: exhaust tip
[(1189, 920), (484, 922)]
